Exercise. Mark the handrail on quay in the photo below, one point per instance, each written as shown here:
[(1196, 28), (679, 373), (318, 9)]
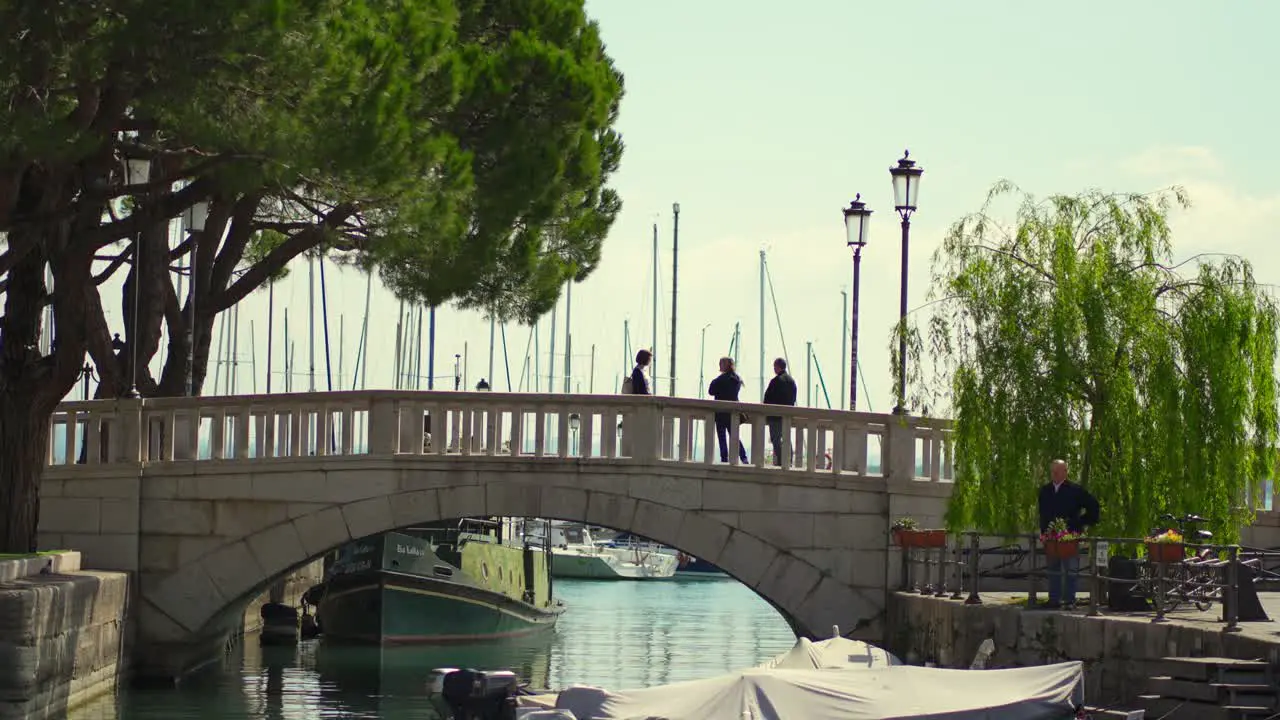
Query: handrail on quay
[(1212, 573)]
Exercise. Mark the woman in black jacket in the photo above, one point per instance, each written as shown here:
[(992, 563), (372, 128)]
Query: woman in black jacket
[(726, 387)]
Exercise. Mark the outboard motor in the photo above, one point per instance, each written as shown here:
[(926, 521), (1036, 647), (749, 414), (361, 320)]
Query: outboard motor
[(476, 694)]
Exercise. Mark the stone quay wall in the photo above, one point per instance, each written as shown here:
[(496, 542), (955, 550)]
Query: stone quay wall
[(1119, 652), (62, 634)]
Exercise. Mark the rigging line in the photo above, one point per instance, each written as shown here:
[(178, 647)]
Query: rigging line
[(822, 381), (768, 276)]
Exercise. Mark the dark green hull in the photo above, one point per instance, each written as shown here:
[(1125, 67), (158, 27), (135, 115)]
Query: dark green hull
[(385, 607), (396, 588)]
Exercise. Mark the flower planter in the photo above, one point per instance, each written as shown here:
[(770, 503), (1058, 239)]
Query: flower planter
[(931, 538), (1061, 549), (1166, 552), (905, 538)]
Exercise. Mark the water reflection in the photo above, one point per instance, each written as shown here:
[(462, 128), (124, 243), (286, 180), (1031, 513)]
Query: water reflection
[(618, 635)]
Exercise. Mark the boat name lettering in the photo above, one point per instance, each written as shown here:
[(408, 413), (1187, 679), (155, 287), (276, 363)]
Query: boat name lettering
[(410, 550)]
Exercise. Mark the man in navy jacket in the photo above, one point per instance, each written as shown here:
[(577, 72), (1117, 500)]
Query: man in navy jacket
[(1060, 498)]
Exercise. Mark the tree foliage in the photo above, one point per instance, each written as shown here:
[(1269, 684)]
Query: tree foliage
[(1073, 334), (459, 148)]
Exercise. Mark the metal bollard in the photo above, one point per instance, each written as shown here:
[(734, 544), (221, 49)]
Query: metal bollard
[(974, 571), (940, 590), (1231, 594), (905, 569)]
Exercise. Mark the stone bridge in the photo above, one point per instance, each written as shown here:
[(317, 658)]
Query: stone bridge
[(209, 500)]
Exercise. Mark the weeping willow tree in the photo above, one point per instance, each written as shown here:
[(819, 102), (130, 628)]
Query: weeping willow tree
[(1074, 334)]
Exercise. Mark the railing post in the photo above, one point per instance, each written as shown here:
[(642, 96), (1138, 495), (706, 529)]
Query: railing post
[(940, 590), (1098, 559), (957, 573), (898, 458), (905, 569), (643, 426), (1161, 575), (384, 427), (1231, 594), (126, 447), (975, 558), (1033, 576)]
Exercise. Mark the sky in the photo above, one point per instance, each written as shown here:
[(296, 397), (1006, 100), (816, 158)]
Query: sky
[(764, 123)]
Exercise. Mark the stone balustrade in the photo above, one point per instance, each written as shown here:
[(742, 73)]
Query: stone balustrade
[(636, 429)]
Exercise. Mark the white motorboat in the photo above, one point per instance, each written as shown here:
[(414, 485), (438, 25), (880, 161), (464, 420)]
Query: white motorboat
[(575, 554), (834, 679)]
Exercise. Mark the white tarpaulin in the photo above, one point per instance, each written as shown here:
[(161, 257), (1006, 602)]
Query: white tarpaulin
[(836, 653), (891, 693)]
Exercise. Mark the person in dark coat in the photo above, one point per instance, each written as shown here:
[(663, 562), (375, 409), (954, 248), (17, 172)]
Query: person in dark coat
[(726, 386), (640, 383), (781, 391), (1061, 498)]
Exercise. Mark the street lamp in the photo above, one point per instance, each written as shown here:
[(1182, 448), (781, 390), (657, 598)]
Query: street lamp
[(574, 422), (857, 223), (137, 171), (906, 191)]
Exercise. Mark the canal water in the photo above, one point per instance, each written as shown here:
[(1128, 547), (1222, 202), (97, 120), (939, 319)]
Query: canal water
[(615, 634)]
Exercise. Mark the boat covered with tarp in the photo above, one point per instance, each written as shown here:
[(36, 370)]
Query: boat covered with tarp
[(835, 679)]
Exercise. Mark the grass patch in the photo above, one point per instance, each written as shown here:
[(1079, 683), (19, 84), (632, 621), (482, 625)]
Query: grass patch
[(42, 553)]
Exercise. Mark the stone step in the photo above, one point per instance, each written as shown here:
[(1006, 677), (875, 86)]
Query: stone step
[(1210, 668), (1112, 714), (1174, 709), (1223, 693)]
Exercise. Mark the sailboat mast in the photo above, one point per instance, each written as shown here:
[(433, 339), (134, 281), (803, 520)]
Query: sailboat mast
[(324, 324), (286, 348), (591, 381), (654, 337), (431, 349), (311, 322), (844, 340), (551, 352), (417, 349), (675, 270), (271, 316), (364, 334), (253, 356), (506, 359), (568, 338), (399, 344), (235, 347), (341, 346), (493, 326), (762, 337)]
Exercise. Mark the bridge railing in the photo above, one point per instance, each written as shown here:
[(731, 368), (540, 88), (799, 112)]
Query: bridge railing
[(650, 429)]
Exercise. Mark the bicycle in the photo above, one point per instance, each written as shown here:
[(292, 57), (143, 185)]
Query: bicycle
[(1195, 578)]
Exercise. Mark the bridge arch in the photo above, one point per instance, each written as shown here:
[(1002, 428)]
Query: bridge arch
[(199, 601)]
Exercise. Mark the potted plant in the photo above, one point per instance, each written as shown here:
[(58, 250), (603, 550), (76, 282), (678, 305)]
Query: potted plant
[(1060, 543), (904, 532), (1167, 547)]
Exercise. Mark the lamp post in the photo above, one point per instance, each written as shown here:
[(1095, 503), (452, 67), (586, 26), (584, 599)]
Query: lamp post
[(194, 219), (857, 222), (906, 191), (137, 171)]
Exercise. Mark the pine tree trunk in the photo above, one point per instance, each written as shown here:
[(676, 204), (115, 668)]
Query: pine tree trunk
[(24, 440)]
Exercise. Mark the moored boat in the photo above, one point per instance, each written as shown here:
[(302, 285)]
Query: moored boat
[(688, 567), (576, 554), (437, 584)]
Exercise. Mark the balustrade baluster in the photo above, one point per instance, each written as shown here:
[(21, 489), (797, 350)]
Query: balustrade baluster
[(586, 435), (731, 444), (609, 433), (539, 432), (820, 448), (668, 436), (348, 430), (217, 430), (562, 433), (517, 432), (467, 434), (298, 430), (71, 438), (244, 417), (324, 428)]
